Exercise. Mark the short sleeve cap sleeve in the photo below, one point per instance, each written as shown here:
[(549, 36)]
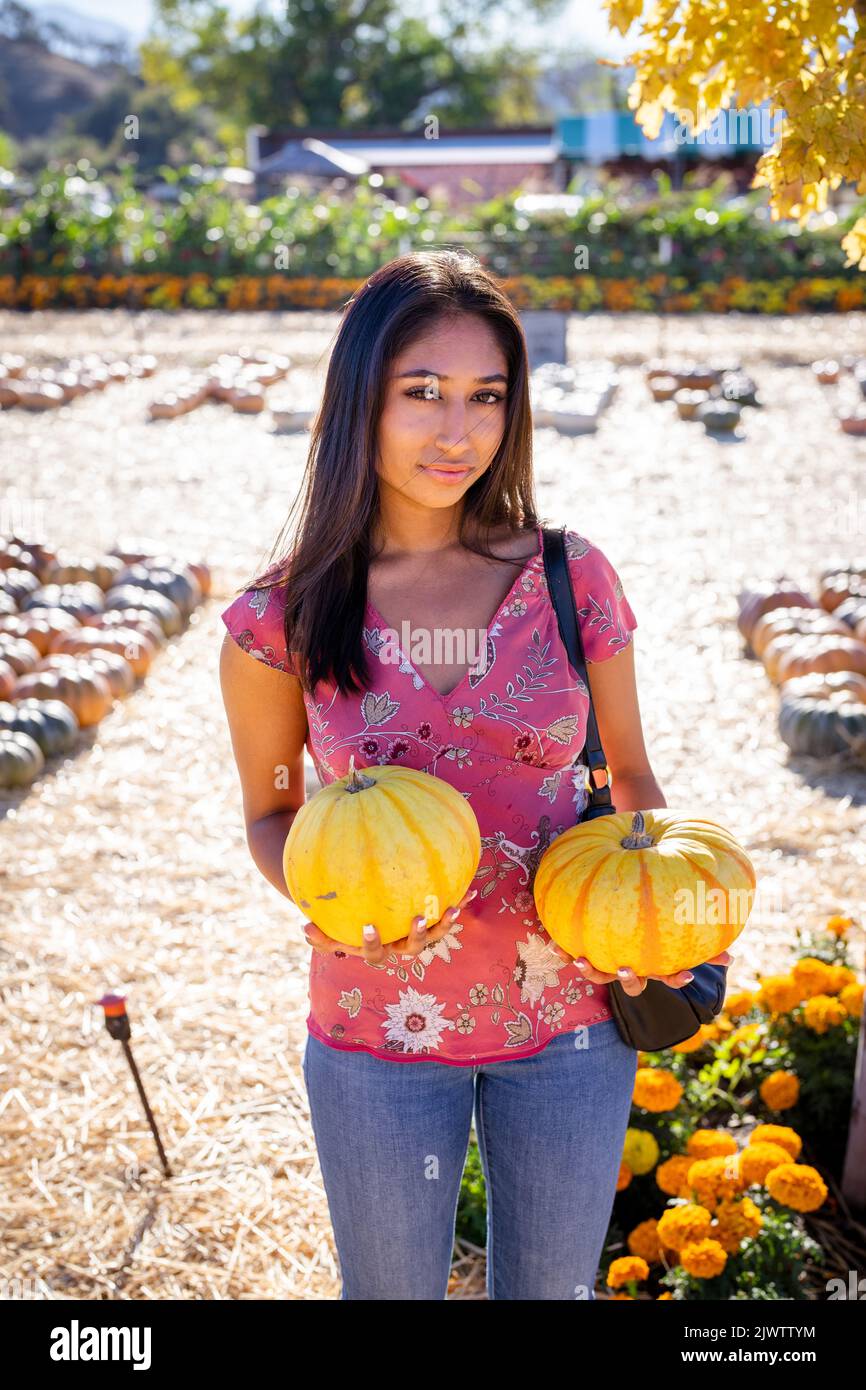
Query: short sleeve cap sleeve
[(255, 620), (606, 617)]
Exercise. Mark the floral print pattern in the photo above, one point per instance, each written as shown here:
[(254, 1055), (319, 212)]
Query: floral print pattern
[(509, 738)]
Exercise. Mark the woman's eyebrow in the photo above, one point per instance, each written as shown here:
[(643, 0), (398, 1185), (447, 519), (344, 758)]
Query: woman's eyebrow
[(428, 371)]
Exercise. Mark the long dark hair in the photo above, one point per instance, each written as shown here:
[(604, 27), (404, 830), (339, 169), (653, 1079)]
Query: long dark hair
[(323, 560)]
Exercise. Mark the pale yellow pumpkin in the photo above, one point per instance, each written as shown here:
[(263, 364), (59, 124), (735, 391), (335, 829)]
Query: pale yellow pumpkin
[(659, 891), (382, 844)]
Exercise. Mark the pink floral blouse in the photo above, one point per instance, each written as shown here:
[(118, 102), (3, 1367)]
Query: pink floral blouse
[(507, 738)]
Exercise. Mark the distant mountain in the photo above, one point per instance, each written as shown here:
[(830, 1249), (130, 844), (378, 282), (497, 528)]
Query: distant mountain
[(37, 87), (55, 62), (84, 27)]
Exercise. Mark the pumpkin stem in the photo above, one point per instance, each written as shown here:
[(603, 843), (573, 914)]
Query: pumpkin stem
[(638, 838), (357, 781)]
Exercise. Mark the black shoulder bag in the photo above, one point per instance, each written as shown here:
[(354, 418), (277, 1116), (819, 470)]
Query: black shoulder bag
[(660, 1015)]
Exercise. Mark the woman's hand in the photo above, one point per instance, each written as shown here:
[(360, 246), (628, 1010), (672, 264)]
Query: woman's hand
[(374, 952), (632, 983)]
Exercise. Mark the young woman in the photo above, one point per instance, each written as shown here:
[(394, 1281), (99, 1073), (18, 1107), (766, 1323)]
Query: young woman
[(419, 519)]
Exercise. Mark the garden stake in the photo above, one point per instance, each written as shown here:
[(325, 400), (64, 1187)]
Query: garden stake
[(117, 1023)]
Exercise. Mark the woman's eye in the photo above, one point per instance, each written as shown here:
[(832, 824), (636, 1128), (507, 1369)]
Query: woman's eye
[(427, 395)]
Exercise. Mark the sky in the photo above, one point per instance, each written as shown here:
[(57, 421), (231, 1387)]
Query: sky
[(585, 20)]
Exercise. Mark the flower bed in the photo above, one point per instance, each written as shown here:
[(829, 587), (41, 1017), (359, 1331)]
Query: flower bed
[(728, 1182), (571, 294)]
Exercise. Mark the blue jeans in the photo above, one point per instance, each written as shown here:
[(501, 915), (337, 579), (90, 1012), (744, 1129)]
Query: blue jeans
[(392, 1139)]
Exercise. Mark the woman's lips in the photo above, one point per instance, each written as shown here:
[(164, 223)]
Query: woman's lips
[(447, 475)]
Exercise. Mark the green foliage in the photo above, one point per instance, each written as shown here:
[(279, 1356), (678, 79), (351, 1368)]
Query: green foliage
[(347, 234), (472, 1202)]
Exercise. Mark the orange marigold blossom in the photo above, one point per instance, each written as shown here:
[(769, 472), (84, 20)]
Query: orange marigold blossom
[(644, 1241), (781, 1135), (739, 1004), (672, 1175), (656, 1089), (822, 1012), (625, 1269), (852, 999), (780, 1090), (703, 1259), (757, 1160), (624, 1177), (796, 1185), (812, 975), (711, 1143), (778, 994), (711, 1179), (680, 1224)]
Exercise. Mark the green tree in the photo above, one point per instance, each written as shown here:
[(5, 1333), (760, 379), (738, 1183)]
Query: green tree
[(343, 64)]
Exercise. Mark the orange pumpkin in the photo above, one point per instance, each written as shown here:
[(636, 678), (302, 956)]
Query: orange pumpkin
[(20, 655), (39, 625), (809, 654), (8, 680), (784, 621), (754, 603), (137, 649), (136, 618), (116, 669), (85, 691)]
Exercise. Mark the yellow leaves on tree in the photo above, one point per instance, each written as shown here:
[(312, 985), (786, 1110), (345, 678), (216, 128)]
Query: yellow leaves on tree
[(805, 58)]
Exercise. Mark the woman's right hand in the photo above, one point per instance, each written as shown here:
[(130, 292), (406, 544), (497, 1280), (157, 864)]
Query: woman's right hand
[(374, 951)]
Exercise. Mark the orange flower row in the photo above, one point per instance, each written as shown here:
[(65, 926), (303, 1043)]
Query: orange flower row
[(656, 293)]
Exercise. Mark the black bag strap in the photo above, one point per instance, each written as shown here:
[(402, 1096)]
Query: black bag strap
[(562, 597)]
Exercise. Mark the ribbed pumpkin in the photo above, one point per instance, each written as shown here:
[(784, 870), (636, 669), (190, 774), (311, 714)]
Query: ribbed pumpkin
[(658, 891), (21, 759), (134, 647), (52, 725), (85, 691), (754, 603), (136, 618), (822, 723), (39, 626), (816, 653), (380, 845), (785, 622), (20, 655)]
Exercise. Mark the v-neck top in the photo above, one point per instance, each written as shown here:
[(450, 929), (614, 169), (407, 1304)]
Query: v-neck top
[(508, 737)]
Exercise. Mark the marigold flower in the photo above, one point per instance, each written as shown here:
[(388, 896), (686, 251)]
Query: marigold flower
[(626, 1268), (812, 975), (840, 976), (656, 1089), (703, 1258), (780, 1090), (778, 994), (663, 1295), (782, 1135), (710, 1143), (796, 1185), (672, 1175), (711, 1179), (739, 1004), (640, 1150), (691, 1044), (822, 1012), (644, 1241), (623, 1177), (837, 925), (757, 1160), (735, 1220), (679, 1225), (852, 998)]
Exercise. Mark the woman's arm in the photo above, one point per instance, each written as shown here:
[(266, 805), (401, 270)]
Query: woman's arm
[(268, 725), (614, 697)]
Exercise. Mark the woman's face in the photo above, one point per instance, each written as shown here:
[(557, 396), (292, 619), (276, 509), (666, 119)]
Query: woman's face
[(444, 413)]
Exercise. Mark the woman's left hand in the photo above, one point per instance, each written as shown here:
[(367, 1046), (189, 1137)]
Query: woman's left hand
[(632, 983)]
